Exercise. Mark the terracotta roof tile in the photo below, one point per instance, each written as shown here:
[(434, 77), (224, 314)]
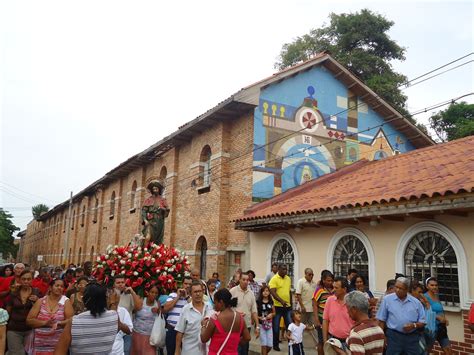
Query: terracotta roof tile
[(433, 171)]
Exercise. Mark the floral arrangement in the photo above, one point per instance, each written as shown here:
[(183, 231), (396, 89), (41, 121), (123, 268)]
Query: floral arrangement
[(151, 265)]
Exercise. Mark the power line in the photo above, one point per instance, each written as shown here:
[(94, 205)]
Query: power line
[(25, 192), (353, 107), (443, 66), (434, 106)]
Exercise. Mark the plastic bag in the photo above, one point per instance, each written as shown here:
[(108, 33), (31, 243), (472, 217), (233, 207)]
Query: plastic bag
[(158, 332), (430, 328)]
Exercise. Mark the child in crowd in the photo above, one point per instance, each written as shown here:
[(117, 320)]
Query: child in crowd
[(294, 334), (266, 312)]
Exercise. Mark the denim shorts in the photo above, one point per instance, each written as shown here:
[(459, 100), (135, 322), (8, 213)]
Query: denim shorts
[(266, 337)]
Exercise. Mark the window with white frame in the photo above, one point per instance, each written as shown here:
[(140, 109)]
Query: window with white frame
[(283, 253), (350, 253), (429, 254)]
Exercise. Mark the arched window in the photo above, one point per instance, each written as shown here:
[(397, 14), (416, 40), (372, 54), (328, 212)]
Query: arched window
[(133, 194), (430, 254), (163, 174), (83, 216), (92, 254), (96, 211), (445, 259), (205, 167), (73, 219), (201, 248), (283, 253), (112, 205), (350, 253), (70, 256), (65, 222), (79, 256)]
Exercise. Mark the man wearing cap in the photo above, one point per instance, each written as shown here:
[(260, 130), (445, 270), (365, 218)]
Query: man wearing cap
[(403, 316), (154, 211)]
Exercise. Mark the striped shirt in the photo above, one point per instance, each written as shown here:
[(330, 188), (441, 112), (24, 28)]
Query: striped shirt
[(173, 315), (93, 335), (321, 295), (366, 337)]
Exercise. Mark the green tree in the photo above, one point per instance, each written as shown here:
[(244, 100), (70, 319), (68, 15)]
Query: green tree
[(38, 210), (455, 122), (7, 228), (360, 42)]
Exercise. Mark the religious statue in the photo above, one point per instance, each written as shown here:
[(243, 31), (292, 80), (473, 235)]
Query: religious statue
[(154, 211)]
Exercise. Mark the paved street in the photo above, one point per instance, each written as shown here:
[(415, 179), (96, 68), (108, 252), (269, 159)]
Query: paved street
[(307, 341)]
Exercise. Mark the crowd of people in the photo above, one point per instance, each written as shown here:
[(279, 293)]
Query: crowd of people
[(56, 311)]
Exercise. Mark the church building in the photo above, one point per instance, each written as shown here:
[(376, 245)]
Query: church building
[(290, 129)]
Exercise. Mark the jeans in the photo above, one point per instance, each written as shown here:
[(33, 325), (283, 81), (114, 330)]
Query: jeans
[(127, 344), (280, 312), (244, 349), (399, 343), (170, 340)]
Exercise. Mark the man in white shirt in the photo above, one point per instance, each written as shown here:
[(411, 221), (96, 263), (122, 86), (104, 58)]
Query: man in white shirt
[(305, 288), (188, 328), (125, 323), (247, 305)]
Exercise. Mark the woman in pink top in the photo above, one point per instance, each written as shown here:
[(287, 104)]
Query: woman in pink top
[(227, 329), (48, 317)]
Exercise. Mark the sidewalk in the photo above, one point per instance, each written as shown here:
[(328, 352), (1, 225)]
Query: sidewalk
[(308, 343)]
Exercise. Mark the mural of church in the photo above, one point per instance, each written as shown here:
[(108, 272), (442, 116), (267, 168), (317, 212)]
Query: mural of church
[(310, 125)]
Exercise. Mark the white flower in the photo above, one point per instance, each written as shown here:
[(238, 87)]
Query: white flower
[(169, 281), (152, 260), (145, 249), (123, 272), (164, 273), (139, 249), (135, 273), (112, 273), (115, 252), (106, 257), (187, 273), (123, 262), (129, 255), (98, 259)]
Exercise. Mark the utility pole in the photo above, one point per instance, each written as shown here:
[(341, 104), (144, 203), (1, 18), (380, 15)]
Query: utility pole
[(68, 232)]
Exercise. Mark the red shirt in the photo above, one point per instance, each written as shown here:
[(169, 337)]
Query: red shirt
[(5, 286), (40, 285)]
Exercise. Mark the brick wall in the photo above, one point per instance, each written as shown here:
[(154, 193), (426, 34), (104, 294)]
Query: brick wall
[(194, 213), (465, 347)]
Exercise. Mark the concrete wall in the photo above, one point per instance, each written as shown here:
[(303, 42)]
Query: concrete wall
[(312, 246)]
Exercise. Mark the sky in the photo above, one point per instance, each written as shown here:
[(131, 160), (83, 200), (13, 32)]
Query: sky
[(85, 85)]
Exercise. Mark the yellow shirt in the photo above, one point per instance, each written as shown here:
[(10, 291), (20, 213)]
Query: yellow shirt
[(283, 287)]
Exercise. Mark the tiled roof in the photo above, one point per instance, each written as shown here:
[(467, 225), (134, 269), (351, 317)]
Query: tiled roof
[(433, 171)]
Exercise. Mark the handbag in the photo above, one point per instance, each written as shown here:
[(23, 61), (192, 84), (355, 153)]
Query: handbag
[(158, 332), (228, 335)]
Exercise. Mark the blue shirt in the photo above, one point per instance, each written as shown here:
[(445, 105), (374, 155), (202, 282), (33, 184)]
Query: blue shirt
[(396, 313), (436, 306)]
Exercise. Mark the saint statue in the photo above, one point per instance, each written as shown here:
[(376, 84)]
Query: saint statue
[(154, 211)]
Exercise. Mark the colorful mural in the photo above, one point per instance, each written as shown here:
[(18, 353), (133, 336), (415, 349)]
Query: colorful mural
[(310, 125)]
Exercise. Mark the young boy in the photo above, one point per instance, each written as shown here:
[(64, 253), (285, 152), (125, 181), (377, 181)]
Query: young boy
[(294, 334)]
